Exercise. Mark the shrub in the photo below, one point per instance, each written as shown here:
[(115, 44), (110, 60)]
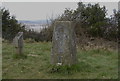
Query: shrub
[(29, 40)]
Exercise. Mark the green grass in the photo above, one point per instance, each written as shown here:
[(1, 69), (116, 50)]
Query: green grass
[(92, 64)]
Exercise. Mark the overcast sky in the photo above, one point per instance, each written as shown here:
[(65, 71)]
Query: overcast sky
[(45, 10)]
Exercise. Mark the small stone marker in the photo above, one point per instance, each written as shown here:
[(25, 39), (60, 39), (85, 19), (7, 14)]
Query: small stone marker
[(63, 44), (18, 42)]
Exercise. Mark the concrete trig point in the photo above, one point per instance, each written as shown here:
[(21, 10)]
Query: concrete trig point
[(18, 43), (63, 44)]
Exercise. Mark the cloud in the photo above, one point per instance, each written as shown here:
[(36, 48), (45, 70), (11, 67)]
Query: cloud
[(45, 10)]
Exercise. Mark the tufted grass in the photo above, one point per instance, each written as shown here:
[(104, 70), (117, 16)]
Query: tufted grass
[(92, 64)]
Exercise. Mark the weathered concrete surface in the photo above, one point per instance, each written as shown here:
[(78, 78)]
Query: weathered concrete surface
[(18, 43), (63, 44)]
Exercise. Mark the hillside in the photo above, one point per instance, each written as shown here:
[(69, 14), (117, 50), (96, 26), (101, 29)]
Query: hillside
[(92, 64)]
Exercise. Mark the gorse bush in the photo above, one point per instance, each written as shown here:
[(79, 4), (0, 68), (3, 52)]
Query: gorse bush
[(10, 26), (29, 40), (90, 19)]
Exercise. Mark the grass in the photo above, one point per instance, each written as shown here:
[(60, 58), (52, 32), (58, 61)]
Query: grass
[(92, 64)]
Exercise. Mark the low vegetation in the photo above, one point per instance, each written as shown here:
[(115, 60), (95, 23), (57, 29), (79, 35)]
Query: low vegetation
[(35, 64)]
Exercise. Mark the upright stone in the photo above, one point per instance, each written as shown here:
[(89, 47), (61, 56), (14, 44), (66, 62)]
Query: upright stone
[(18, 43), (63, 44)]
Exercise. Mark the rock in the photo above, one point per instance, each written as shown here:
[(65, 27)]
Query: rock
[(63, 44), (18, 43)]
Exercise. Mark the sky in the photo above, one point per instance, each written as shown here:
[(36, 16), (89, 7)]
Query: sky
[(46, 10)]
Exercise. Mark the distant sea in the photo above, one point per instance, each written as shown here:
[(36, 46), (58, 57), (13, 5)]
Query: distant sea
[(34, 21), (35, 25)]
